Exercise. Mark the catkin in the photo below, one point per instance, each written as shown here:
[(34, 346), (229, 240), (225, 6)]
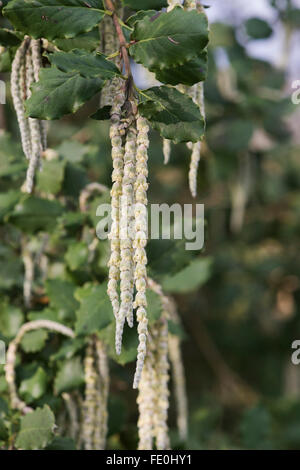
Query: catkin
[(146, 401), (90, 400), (25, 71), (102, 395), (178, 385), (94, 426), (117, 153), (175, 356), (173, 3), (153, 396), (166, 150), (126, 237), (18, 92), (162, 391), (140, 241)]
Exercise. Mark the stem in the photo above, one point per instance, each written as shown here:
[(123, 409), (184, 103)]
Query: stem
[(123, 46)]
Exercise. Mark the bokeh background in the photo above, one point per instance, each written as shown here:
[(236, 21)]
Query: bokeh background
[(240, 305)]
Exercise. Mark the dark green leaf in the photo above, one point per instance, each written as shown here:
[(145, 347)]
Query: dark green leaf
[(34, 388), (129, 344), (72, 151), (88, 65), (169, 39), (189, 73), (53, 18), (68, 349), (88, 41), (154, 308), (95, 311), (58, 93), (34, 213), (139, 16), (11, 319), (36, 429), (190, 278), (258, 29), (34, 341), (50, 180), (9, 37), (173, 114), (102, 114), (8, 201), (70, 376), (62, 443), (145, 4), (77, 255), (61, 295)]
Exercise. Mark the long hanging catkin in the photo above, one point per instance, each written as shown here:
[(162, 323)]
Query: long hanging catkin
[(101, 361), (140, 241), (146, 400), (35, 130), (25, 70), (175, 356), (90, 400), (126, 225), (18, 92), (117, 153), (153, 396)]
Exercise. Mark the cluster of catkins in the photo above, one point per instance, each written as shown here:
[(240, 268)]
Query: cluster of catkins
[(128, 236), (25, 71), (196, 92), (153, 398)]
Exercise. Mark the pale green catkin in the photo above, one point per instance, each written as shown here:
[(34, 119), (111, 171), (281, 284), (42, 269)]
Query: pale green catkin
[(25, 70), (73, 415), (153, 396), (94, 426), (126, 237), (117, 153), (175, 356), (140, 241), (18, 92), (35, 130), (102, 396), (28, 263), (167, 150), (90, 399), (179, 385), (162, 390), (146, 400)]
